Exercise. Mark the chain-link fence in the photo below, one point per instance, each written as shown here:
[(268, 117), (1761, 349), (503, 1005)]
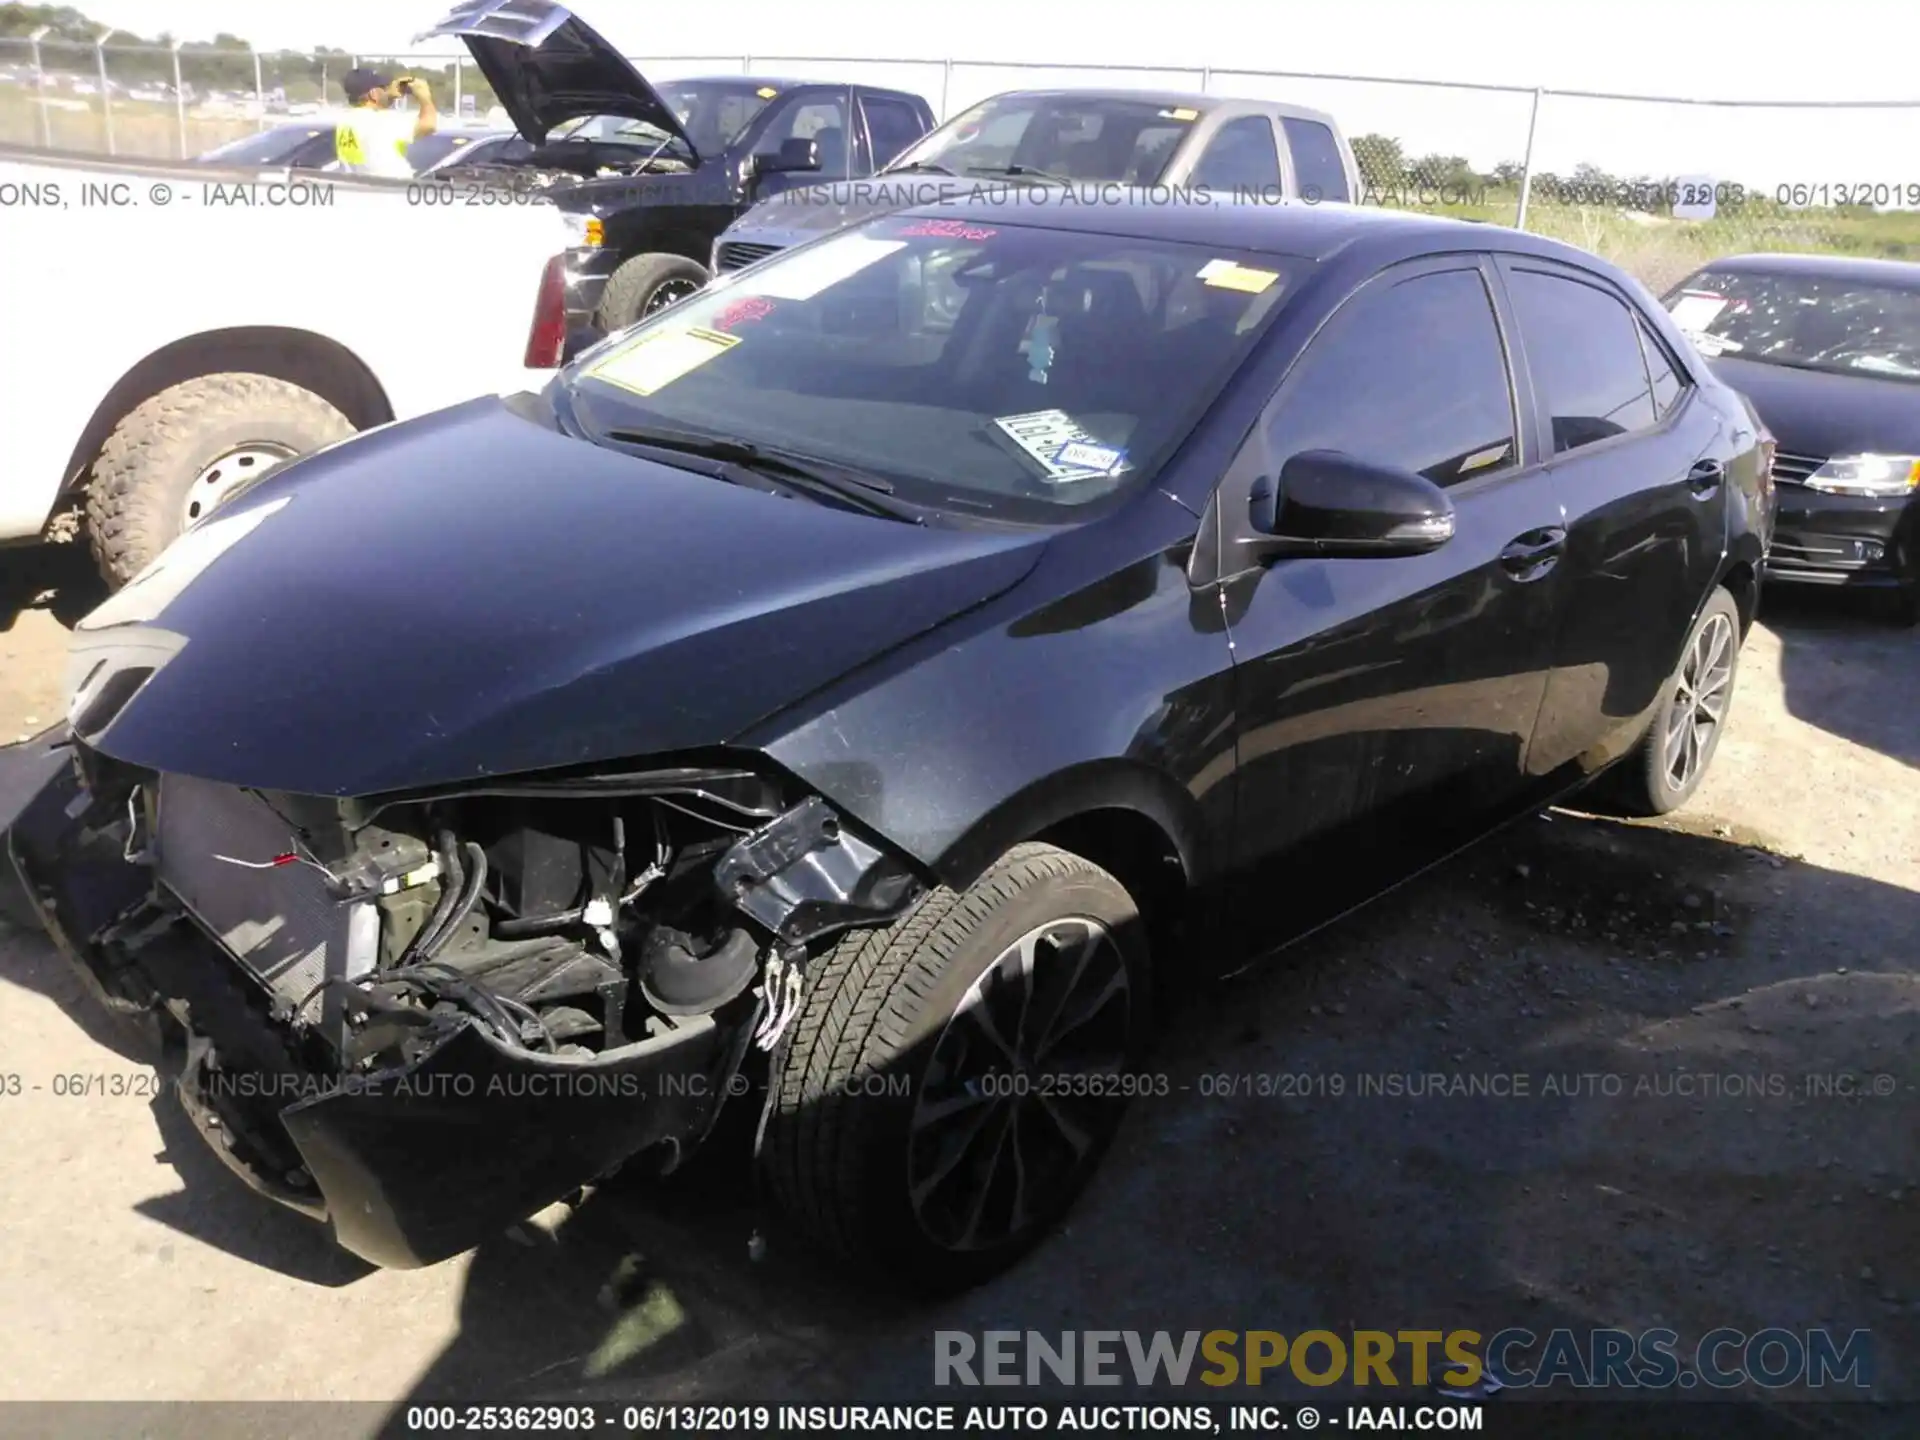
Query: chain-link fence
[(1656, 185)]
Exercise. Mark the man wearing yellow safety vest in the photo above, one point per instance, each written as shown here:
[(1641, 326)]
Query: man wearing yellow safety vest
[(372, 137)]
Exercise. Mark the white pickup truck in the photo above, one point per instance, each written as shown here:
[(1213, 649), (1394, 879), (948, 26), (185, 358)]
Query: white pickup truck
[(176, 328)]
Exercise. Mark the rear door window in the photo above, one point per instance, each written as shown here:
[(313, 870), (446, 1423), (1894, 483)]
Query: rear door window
[(1241, 160), (1319, 168), (1583, 347), (1410, 374)]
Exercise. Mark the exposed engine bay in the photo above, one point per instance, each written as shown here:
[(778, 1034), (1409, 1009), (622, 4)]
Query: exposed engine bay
[(556, 923), (542, 960), (568, 162)]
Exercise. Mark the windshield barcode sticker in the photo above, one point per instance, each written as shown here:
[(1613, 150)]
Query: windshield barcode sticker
[(1696, 309), (655, 361), (1060, 447)]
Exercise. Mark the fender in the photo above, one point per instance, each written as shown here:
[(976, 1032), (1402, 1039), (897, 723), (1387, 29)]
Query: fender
[(1095, 685), (1086, 789)]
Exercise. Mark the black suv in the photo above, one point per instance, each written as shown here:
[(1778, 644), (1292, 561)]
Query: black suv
[(655, 173)]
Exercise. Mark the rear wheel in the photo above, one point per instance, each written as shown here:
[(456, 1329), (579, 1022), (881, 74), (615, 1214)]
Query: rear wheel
[(1671, 760), (952, 1081), (646, 285), (180, 455)]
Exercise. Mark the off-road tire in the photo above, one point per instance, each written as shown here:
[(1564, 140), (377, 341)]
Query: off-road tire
[(835, 1163), (631, 287), (138, 490), (1639, 786)]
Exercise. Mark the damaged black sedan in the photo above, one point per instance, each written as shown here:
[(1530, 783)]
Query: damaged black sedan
[(860, 689)]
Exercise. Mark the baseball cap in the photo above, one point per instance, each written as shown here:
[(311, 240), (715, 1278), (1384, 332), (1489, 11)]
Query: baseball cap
[(360, 80)]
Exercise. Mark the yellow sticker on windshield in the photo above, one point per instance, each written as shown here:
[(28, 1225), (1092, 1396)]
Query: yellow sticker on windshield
[(766, 92), (1232, 275), (1181, 113), (655, 361)]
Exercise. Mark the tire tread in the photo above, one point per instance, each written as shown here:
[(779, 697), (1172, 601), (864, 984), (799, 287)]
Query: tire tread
[(863, 1001), (127, 520)]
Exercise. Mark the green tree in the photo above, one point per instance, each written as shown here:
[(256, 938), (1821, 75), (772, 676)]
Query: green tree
[(1382, 161)]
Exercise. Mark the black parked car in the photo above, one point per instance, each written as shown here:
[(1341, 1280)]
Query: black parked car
[(878, 677), (655, 173), (1828, 349)]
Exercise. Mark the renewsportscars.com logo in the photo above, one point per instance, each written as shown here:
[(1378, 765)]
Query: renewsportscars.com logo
[(1455, 1360)]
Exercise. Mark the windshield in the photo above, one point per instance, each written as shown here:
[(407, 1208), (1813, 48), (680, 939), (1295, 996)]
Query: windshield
[(988, 369), (712, 112), (1074, 137), (1813, 322), (269, 147)]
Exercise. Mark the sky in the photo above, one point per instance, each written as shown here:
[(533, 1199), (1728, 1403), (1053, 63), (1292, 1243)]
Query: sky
[(1703, 49)]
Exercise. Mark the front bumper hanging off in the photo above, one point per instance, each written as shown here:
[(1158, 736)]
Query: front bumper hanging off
[(409, 1165)]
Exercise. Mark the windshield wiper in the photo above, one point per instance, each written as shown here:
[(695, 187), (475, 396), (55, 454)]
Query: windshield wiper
[(926, 167), (1024, 172), (857, 489)]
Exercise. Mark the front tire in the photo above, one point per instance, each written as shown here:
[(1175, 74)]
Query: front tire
[(1672, 759), (930, 1117), (645, 285), (183, 453)]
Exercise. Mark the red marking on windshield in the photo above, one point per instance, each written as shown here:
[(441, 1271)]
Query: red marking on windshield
[(743, 310), (949, 230)]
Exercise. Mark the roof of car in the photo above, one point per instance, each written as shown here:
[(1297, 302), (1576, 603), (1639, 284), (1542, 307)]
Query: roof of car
[(1174, 99), (1313, 232), (774, 82), (1899, 274)]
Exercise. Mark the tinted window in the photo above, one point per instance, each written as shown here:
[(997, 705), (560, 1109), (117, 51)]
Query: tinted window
[(1815, 322), (1584, 352), (270, 147), (713, 114), (1317, 162), (1666, 384), (434, 148), (892, 125), (981, 368), (1241, 159), (1080, 137), (1410, 374), (321, 150), (822, 121)]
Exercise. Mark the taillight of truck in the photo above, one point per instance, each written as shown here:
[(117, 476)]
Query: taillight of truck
[(547, 335)]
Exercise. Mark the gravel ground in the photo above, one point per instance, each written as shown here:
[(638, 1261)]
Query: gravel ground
[(1701, 1010)]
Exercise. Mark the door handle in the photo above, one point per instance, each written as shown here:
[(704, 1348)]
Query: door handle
[(1530, 556), (1706, 476)]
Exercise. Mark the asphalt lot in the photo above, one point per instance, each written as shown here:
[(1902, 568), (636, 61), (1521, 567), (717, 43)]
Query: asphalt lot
[(1769, 931)]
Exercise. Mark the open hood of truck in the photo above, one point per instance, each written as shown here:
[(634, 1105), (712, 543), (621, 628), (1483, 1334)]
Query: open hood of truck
[(548, 67)]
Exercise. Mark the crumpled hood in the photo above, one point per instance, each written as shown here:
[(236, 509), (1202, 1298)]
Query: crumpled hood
[(474, 594)]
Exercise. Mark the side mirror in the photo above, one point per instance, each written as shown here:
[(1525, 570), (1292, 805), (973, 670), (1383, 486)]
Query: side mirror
[(1329, 503), (793, 156)]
